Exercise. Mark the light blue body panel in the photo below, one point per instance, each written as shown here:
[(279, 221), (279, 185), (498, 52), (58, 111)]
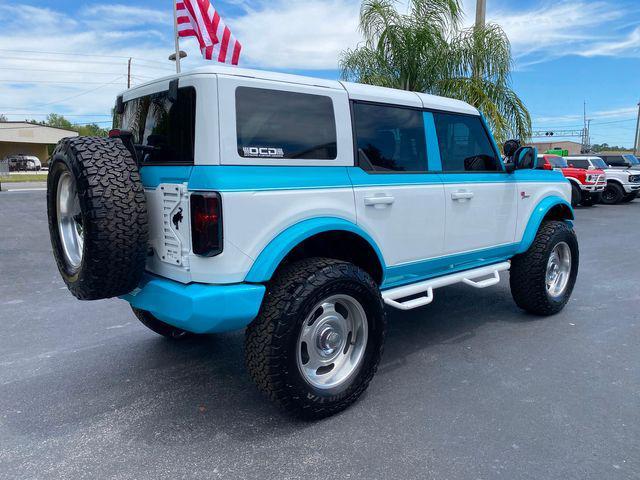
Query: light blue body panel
[(405, 274), (197, 307), (279, 247), (536, 218)]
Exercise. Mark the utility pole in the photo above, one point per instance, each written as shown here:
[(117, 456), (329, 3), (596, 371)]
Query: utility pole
[(481, 12), (129, 74), (636, 143)]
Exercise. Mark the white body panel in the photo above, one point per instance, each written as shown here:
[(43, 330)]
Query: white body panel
[(408, 222), (409, 229), (486, 219)]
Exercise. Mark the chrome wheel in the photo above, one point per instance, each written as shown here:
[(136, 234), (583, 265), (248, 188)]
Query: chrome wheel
[(332, 342), (558, 269), (69, 220)]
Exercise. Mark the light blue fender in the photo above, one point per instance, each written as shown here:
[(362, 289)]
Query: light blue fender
[(537, 216), (280, 246)]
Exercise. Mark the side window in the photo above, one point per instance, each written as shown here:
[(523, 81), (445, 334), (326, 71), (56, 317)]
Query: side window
[(579, 163), (280, 124), (163, 131), (390, 138), (464, 144)]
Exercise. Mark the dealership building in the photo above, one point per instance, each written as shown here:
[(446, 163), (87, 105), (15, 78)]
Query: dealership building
[(30, 139)]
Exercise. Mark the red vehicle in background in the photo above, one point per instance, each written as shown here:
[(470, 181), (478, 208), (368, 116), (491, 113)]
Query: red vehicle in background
[(586, 185)]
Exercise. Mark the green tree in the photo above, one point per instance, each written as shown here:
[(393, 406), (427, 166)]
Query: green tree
[(59, 121), (426, 50), (92, 130)]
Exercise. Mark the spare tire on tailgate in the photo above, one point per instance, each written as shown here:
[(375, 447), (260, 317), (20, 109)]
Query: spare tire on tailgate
[(97, 217)]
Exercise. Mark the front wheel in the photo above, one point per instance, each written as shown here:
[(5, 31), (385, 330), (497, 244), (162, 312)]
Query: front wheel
[(576, 195), (318, 338), (629, 197), (613, 193), (543, 277)]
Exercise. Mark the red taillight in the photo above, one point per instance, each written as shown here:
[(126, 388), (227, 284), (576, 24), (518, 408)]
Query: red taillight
[(206, 224)]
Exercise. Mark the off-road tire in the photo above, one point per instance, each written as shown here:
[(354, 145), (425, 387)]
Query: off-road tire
[(159, 327), (629, 197), (528, 270), (576, 195), (113, 216), (613, 194), (271, 339)]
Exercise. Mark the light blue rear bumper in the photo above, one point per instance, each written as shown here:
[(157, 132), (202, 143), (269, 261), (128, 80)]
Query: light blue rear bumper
[(197, 307)]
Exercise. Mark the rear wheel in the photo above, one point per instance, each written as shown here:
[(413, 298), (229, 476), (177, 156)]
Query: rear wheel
[(159, 327), (542, 278), (576, 195), (318, 338), (613, 193)]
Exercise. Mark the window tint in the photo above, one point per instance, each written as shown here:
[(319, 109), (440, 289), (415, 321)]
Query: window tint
[(557, 162), (278, 124), (390, 138), (163, 131), (615, 160), (578, 163), (464, 144)]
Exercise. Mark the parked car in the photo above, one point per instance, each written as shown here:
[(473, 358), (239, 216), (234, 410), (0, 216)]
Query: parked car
[(586, 186), (622, 185), (298, 208), (621, 161), (23, 163)]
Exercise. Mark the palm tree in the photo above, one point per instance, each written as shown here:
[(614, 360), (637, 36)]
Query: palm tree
[(425, 50)]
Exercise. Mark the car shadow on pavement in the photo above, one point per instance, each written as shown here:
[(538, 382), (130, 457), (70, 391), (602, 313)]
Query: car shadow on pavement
[(152, 390)]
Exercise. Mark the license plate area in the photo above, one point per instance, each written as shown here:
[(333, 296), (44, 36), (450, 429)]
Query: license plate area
[(169, 222)]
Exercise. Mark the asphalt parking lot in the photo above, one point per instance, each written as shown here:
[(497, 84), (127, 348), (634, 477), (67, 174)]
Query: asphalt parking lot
[(469, 387)]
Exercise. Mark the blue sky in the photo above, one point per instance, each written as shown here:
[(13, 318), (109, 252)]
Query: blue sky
[(565, 52)]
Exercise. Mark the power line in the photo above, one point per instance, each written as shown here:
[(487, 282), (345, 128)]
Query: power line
[(77, 54), (67, 61), (67, 98), (64, 71), (58, 82)]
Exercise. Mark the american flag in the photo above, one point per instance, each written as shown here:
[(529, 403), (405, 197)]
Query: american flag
[(198, 18)]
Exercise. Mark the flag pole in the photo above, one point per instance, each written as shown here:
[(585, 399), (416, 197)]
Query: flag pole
[(175, 34)]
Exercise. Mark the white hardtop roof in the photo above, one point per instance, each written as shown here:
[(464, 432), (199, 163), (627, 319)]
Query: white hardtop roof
[(356, 91)]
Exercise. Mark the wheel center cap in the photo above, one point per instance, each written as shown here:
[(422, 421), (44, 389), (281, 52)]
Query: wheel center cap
[(329, 340)]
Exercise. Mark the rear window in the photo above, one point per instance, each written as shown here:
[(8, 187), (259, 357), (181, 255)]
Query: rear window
[(163, 131), (288, 125)]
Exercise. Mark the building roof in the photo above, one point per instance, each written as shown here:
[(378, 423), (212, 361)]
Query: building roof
[(356, 91), (27, 132)]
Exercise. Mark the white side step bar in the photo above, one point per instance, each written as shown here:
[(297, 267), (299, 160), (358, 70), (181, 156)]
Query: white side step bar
[(393, 296)]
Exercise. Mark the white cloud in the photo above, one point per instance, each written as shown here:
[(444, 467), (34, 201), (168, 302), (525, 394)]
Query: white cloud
[(278, 34), (299, 34)]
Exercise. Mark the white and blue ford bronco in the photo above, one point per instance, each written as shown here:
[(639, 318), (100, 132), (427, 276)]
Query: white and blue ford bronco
[(301, 208)]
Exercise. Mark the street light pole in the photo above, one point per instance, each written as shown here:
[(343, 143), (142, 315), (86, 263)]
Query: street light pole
[(636, 143), (129, 74)]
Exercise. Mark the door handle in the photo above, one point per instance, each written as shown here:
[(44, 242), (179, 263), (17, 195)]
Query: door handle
[(462, 195), (379, 201)]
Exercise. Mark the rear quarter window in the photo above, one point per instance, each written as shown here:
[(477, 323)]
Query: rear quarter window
[(163, 131), (288, 125)]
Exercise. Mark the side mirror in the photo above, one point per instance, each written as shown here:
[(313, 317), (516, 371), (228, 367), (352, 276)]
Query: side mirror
[(525, 158), (510, 147)]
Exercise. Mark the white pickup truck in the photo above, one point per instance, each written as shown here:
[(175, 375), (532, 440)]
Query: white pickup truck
[(301, 208)]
